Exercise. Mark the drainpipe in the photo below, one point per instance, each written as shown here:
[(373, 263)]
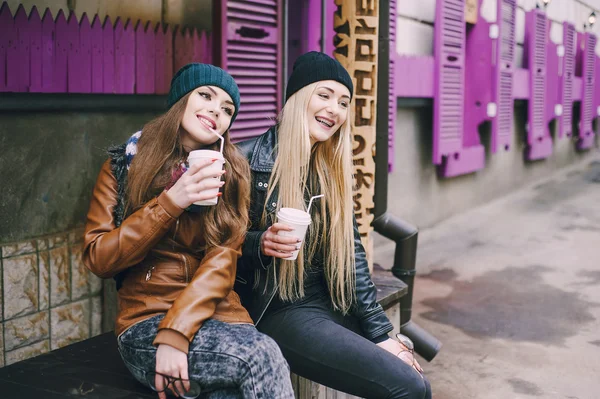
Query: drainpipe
[(401, 232)]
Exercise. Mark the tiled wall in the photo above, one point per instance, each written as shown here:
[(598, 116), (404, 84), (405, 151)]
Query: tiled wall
[(48, 299)]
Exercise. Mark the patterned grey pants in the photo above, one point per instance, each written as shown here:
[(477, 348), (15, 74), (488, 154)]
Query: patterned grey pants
[(227, 360)]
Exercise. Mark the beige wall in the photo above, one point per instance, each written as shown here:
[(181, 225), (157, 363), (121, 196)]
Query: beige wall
[(49, 298), (185, 12)]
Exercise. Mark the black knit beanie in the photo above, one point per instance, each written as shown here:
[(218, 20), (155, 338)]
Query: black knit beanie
[(314, 67)]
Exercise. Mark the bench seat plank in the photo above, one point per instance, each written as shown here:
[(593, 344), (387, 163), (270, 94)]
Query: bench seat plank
[(93, 368)]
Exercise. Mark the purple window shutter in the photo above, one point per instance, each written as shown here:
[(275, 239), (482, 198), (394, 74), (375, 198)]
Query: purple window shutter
[(7, 35), (503, 70), (393, 104), (596, 108), (567, 75), (552, 100), (250, 50), (449, 40), (586, 133), (539, 143), (36, 51)]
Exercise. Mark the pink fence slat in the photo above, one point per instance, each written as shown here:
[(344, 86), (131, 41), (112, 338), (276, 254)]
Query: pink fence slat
[(163, 59), (48, 52), (108, 57), (202, 44), (144, 58), (35, 50), (61, 53), (188, 40), (179, 50), (96, 56), (169, 55), (124, 57), (209, 49), (197, 48), (74, 58), (84, 71), (18, 60), (7, 36)]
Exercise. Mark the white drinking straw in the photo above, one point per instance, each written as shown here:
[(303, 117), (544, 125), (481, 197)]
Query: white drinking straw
[(311, 201), (221, 137)]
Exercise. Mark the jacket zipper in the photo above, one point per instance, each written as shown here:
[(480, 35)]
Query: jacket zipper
[(266, 307), (149, 273), (268, 303), (185, 267), (176, 228)]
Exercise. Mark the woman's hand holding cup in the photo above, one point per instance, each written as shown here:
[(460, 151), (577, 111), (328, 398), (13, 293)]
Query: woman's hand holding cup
[(196, 184), (278, 246)]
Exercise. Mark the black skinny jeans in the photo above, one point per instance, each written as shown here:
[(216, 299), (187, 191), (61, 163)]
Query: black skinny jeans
[(327, 347)]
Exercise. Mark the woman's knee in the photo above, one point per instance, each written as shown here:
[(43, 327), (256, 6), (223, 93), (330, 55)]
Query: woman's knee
[(269, 351), (415, 387)]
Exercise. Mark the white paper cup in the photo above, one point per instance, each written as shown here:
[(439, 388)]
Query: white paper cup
[(296, 219), (199, 155)]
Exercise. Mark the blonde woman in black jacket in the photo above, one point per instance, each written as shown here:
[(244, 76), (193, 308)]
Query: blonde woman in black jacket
[(320, 308)]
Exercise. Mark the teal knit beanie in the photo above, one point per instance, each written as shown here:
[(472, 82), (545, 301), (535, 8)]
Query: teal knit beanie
[(195, 75)]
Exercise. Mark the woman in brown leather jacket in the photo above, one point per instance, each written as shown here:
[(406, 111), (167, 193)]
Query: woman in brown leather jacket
[(180, 326)]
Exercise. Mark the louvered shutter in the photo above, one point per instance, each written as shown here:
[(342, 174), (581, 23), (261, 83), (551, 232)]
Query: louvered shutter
[(535, 39), (504, 69), (596, 108), (449, 37), (568, 74), (588, 77), (393, 107), (250, 50)]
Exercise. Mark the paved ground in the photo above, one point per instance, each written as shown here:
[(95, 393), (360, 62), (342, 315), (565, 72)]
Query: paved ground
[(512, 289)]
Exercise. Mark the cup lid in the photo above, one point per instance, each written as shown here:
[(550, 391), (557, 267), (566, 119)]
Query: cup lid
[(205, 154), (294, 215)]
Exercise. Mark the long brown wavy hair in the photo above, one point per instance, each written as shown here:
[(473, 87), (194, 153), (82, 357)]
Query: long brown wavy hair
[(160, 151)]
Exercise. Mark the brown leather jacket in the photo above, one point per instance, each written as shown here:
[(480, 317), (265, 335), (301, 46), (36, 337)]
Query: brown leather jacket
[(168, 270)]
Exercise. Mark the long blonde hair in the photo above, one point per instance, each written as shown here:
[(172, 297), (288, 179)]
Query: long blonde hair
[(300, 169), (160, 151)]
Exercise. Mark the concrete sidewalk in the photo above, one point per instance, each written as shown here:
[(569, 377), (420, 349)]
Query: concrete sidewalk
[(512, 289)]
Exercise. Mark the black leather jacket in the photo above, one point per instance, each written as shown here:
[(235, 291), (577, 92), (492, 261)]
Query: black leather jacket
[(253, 266)]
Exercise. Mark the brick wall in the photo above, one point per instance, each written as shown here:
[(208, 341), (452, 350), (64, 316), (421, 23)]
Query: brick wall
[(49, 299)]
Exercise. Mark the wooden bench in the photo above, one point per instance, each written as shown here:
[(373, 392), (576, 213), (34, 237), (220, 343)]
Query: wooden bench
[(93, 368)]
